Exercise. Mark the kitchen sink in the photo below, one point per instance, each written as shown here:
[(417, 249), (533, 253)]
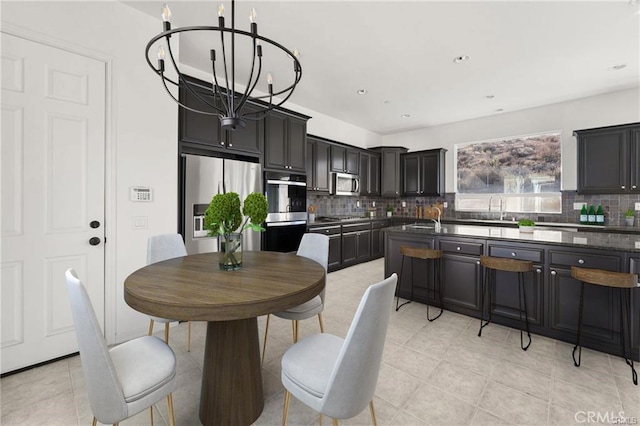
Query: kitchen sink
[(420, 226)]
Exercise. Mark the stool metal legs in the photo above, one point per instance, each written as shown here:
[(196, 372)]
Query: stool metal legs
[(437, 288), (625, 312), (487, 286), (522, 295), (398, 285)]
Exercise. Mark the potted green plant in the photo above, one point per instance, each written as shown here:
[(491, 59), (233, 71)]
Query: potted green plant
[(389, 210), (526, 225), (628, 217), (224, 218)]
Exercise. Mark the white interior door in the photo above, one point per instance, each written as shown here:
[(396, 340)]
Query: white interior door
[(52, 171)]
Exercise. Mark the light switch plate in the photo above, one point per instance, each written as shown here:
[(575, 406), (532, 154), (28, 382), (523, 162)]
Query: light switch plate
[(638, 244), (140, 222), (578, 206), (404, 204), (445, 204), (637, 206)]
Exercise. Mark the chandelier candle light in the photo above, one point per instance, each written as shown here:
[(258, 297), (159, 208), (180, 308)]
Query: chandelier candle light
[(231, 108)]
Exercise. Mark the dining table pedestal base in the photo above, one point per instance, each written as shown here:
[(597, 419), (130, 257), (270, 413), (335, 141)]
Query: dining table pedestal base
[(232, 374)]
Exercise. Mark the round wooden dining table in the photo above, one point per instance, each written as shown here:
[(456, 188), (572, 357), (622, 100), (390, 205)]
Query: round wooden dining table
[(193, 288)]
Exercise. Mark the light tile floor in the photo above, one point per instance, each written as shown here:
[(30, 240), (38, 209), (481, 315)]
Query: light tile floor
[(436, 373)]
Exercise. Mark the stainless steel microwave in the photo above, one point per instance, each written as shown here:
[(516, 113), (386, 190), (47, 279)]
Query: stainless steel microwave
[(344, 184)]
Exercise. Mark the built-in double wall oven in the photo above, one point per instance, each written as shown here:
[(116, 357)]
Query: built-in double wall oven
[(287, 219)]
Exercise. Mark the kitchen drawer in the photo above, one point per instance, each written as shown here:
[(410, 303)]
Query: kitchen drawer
[(378, 224), (326, 230), (461, 247), (519, 253), (592, 260), (356, 227)]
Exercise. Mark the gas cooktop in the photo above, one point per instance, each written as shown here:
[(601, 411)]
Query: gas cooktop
[(339, 218)]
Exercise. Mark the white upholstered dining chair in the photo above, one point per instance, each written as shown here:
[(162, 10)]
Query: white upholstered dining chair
[(337, 377), (159, 248), (315, 247), (123, 380)]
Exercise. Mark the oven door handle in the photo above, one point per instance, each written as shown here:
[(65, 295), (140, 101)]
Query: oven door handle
[(295, 222)]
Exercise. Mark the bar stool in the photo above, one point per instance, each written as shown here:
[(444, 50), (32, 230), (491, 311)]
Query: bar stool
[(493, 264), (625, 282), (424, 254)]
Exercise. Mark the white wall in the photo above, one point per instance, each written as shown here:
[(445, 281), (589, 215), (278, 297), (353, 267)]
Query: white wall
[(142, 133), (596, 111)]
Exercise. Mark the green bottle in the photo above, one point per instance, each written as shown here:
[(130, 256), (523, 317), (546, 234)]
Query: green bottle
[(583, 215), (600, 216), (591, 217)]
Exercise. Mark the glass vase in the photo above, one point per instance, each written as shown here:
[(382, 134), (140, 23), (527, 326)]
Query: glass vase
[(231, 248)]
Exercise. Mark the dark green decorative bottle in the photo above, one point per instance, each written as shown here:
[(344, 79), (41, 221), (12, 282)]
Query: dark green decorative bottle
[(591, 217), (583, 215), (600, 216)]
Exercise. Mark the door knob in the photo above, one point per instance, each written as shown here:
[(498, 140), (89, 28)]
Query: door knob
[(94, 241), (94, 224)]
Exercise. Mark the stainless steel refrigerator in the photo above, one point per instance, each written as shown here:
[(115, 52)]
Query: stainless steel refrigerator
[(205, 177)]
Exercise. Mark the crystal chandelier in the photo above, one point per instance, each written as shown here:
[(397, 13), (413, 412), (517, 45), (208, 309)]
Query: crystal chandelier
[(231, 106)]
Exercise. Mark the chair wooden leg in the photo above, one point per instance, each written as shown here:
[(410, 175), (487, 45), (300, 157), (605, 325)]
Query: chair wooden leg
[(285, 410), (150, 327), (166, 333), (94, 422), (373, 414), (296, 329), (320, 420), (335, 422), (151, 414), (264, 344), (189, 338), (172, 420), (321, 322)]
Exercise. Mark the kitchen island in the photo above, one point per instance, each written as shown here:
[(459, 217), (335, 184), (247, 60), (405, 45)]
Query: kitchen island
[(552, 294)]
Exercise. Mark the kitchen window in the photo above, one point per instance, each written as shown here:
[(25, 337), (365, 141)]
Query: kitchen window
[(520, 174)]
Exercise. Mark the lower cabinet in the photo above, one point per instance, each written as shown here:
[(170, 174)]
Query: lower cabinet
[(334, 232), (461, 274), (356, 243), (553, 296)]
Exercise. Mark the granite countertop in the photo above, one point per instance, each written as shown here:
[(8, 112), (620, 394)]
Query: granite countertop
[(596, 240)]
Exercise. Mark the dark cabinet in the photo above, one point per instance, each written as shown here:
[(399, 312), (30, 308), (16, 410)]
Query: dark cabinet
[(344, 160), (356, 243), (609, 160), (390, 170), (377, 237), (206, 129), (334, 233), (461, 274), (601, 321), (369, 174), (423, 173), (634, 268), (506, 301), (285, 142), (317, 165)]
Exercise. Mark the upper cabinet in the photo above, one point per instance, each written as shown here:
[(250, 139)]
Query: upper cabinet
[(609, 160), (285, 142), (369, 173), (318, 165), (390, 170), (344, 160), (206, 129), (423, 173)]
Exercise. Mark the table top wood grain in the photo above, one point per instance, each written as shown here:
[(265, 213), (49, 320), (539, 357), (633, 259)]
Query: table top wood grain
[(194, 288)]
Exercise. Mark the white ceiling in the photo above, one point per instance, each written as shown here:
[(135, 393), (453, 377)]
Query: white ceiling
[(525, 54)]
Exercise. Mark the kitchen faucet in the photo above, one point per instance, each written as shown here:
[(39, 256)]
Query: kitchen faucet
[(501, 205), (437, 222)]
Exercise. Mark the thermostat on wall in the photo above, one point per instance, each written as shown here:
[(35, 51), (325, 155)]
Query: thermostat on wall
[(141, 194)]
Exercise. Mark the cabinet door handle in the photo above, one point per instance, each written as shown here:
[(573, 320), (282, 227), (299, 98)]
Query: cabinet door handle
[(477, 262), (222, 143), (539, 270), (230, 144), (623, 187), (513, 254), (458, 248), (553, 272), (580, 261), (633, 187)]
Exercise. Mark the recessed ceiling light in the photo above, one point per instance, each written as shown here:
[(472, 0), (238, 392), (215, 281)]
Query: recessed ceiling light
[(490, 96), (499, 110), (362, 92), (386, 102), (618, 67), (460, 59), (405, 116)]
